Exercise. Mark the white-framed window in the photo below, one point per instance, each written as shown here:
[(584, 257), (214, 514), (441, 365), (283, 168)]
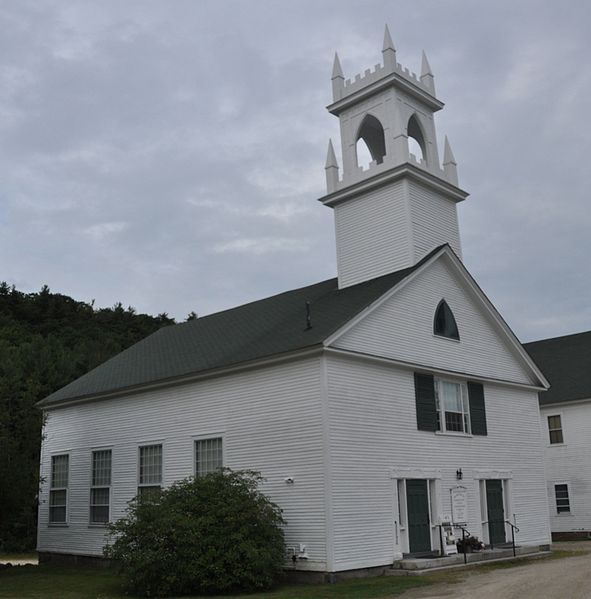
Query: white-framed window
[(58, 492), (208, 455), (555, 429), (149, 468), (100, 486), (453, 406), (562, 498)]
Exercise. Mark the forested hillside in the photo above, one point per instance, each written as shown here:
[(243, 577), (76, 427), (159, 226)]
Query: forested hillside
[(46, 341)]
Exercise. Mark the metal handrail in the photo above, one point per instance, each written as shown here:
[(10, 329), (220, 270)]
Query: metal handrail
[(465, 533), (514, 529)]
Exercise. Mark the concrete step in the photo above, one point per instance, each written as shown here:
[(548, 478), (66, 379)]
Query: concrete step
[(416, 566)]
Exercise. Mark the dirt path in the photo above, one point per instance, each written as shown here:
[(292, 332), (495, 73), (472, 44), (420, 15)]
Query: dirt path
[(566, 578)]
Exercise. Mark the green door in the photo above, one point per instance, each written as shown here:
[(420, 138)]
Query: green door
[(417, 505), (496, 513)]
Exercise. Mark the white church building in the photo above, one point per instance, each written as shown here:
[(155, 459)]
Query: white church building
[(377, 404)]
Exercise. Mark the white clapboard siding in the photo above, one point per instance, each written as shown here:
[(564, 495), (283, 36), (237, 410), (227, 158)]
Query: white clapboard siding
[(372, 234), (373, 429), (434, 221), (402, 329), (570, 463), (270, 419)]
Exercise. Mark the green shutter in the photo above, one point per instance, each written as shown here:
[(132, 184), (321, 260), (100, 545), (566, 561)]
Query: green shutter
[(425, 398), (477, 409)]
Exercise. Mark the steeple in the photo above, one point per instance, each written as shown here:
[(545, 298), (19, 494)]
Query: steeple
[(393, 211)]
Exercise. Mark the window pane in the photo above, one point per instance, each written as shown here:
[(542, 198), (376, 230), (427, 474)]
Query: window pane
[(57, 506), (454, 421), (99, 514), (452, 396), (147, 492), (57, 514), (99, 497), (57, 498), (59, 471), (554, 422), (556, 436), (208, 456), (151, 465), (101, 468)]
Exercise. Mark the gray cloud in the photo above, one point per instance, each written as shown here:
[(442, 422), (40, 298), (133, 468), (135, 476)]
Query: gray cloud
[(169, 155)]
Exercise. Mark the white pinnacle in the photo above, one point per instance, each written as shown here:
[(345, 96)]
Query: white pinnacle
[(448, 155), (425, 66), (337, 71), (388, 43), (331, 159)]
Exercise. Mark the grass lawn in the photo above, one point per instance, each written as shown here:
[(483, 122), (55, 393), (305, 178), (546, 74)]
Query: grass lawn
[(52, 582), (68, 582)]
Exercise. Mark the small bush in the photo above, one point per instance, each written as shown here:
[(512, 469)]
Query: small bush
[(212, 534)]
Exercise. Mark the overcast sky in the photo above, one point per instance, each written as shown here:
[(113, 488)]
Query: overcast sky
[(169, 154)]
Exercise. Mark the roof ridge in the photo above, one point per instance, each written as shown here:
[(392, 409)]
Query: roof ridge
[(262, 299)]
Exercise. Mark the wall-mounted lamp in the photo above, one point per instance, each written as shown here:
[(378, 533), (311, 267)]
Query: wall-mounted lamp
[(459, 474)]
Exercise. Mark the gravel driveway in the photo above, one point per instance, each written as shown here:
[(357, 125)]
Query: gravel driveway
[(566, 578)]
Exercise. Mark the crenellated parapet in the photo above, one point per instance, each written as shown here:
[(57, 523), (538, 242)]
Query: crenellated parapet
[(343, 88)]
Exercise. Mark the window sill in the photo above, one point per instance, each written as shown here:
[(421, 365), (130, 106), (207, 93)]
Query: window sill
[(557, 445), (564, 515), (58, 525), (97, 525), (454, 434)]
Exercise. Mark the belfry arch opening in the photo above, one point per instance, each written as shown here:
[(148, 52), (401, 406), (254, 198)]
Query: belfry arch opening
[(371, 143), (416, 139)]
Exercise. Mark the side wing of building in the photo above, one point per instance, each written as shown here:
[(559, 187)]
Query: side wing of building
[(566, 434)]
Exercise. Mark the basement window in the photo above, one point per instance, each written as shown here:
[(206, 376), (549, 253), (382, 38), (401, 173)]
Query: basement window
[(562, 498)]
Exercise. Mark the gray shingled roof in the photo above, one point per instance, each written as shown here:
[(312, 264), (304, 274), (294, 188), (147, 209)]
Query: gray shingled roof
[(264, 328), (566, 363)]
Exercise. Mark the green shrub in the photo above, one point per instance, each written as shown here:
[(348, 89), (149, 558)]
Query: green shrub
[(212, 534)]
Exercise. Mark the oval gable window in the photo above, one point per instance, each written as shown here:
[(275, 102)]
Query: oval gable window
[(444, 323)]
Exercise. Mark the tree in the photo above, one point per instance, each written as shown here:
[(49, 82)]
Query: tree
[(212, 534), (46, 341)]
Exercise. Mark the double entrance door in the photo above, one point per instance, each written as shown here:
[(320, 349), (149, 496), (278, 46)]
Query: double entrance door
[(419, 520)]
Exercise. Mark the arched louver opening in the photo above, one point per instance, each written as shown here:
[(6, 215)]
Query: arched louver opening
[(372, 134), (444, 323), (416, 139)]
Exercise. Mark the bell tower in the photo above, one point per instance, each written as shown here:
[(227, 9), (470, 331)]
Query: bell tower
[(403, 204)]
